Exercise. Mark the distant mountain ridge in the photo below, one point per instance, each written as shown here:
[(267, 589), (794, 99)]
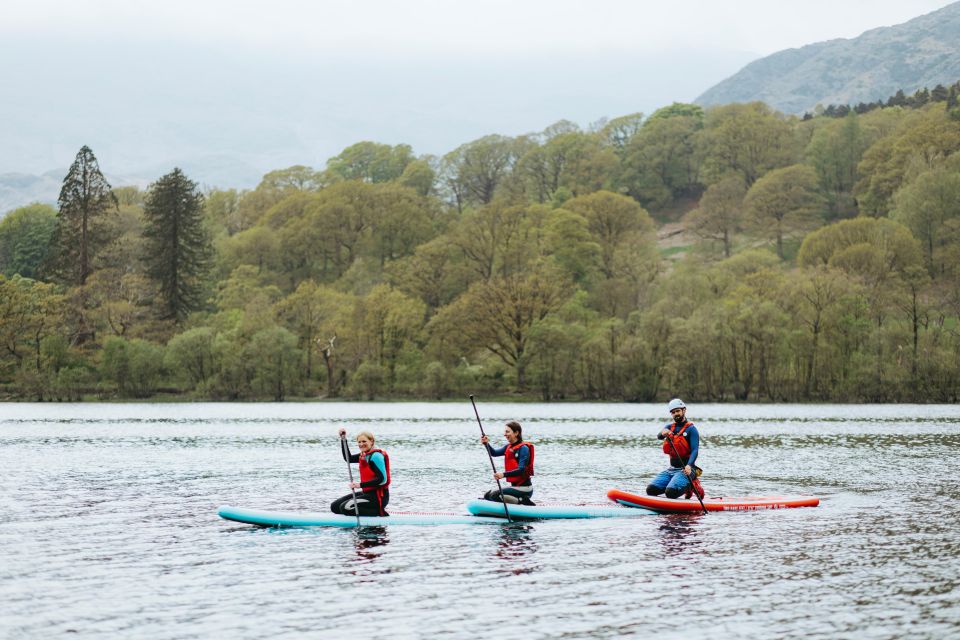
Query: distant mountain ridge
[(922, 52)]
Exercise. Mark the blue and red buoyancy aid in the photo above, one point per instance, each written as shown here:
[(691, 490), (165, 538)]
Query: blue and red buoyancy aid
[(681, 444), (366, 472), (510, 463)]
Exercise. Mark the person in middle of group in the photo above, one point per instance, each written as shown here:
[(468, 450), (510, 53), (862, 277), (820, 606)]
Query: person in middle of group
[(681, 441), (517, 467), (374, 493)]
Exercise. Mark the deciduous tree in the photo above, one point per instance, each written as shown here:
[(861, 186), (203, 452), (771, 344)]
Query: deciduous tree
[(25, 235), (498, 315), (782, 202), (720, 214), (924, 206), (746, 139)]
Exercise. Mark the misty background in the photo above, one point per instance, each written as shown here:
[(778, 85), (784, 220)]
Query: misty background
[(229, 91)]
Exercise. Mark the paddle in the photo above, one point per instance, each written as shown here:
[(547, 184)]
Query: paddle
[(492, 466), (346, 455), (693, 473)]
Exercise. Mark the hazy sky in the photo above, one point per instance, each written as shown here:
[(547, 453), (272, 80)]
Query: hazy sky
[(232, 89), (478, 26)]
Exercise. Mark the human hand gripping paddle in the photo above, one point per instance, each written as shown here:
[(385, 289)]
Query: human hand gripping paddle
[(492, 466), (693, 472), (346, 456)]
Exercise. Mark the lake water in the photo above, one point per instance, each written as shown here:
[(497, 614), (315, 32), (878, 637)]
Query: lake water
[(108, 524)]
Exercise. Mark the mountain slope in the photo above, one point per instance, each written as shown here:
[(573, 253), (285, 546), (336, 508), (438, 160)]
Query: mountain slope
[(920, 53)]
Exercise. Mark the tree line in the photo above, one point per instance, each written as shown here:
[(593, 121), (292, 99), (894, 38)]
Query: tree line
[(921, 97), (733, 253)]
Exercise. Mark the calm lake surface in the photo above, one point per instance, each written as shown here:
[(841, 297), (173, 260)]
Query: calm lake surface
[(108, 524)]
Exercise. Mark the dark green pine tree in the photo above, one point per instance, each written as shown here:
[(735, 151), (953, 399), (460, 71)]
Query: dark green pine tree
[(85, 198), (178, 246), (897, 100), (953, 96)]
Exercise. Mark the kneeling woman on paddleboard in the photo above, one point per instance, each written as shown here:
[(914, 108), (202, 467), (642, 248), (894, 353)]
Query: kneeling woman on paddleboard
[(374, 494), (518, 466)]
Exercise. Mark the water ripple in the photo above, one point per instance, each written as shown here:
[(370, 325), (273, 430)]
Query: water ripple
[(108, 525)]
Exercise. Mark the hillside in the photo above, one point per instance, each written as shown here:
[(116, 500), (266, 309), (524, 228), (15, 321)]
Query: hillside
[(920, 53)]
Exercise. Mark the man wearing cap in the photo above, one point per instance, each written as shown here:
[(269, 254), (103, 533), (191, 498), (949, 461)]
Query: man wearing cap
[(681, 441)]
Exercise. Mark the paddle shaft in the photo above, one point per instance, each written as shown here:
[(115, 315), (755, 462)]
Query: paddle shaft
[(489, 455), (346, 454), (692, 476)]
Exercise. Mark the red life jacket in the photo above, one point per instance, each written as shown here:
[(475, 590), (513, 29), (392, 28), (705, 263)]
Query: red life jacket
[(366, 472), (681, 444), (510, 463)]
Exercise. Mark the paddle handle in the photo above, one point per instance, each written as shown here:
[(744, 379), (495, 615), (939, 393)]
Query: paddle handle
[(346, 456), (490, 456)]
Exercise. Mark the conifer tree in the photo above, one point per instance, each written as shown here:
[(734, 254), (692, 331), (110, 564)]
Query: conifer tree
[(85, 199), (178, 246)]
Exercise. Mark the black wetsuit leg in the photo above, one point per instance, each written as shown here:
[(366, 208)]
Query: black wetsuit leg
[(367, 504), (521, 497)]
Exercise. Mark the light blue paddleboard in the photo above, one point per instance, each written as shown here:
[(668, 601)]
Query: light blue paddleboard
[(305, 519), (546, 512)]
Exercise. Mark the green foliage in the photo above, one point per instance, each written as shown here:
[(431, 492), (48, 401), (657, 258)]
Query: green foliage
[(274, 187), (277, 358), (222, 210), (873, 249), (662, 161), (81, 232), (436, 381), (746, 140), (619, 131), (428, 274), (134, 367), (782, 202), (499, 314), (834, 151), (369, 380), (679, 109), (579, 163), (190, 355), (720, 215), (30, 311), (245, 288), (371, 162), (926, 205), (420, 176), (292, 179), (472, 173), (128, 196), (920, 143), (525, 265), (613, 222), (385, 321), (178, 251), (25, 235)]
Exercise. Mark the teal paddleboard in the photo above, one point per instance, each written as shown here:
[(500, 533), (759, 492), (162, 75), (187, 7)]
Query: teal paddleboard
[(263, 518), (548, 512)]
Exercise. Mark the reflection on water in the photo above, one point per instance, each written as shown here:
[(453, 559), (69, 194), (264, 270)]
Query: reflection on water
[(678, 532), (516, 545), (368, 542), (108, 524)]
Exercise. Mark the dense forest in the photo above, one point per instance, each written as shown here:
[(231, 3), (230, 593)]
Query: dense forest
[(732, 253)]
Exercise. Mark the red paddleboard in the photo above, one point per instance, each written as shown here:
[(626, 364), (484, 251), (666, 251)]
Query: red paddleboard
[(681, 505)]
